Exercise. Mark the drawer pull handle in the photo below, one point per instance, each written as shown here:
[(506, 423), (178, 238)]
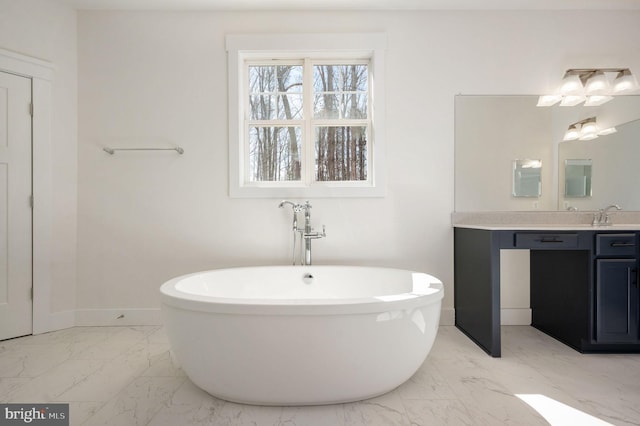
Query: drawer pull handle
[(551, 240), (614, 244)]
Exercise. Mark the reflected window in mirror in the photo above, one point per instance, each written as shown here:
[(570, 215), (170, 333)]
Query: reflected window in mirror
[(527, 178), (577, 178)]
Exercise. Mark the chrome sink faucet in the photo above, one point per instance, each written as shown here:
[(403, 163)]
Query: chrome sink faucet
[(602, 217), (303, 234)]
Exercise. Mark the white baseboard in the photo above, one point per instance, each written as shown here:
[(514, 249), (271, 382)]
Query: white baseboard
[(102, 317), (518, 316), (56, 321), (508, 316)]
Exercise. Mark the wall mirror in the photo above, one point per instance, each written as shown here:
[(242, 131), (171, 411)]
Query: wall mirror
[(527, 177), (577, 178), (492, 131)]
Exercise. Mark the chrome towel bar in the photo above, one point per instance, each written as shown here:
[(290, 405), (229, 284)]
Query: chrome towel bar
[(112, 151)]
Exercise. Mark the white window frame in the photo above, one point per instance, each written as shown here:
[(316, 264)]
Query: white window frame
[(335, 47)]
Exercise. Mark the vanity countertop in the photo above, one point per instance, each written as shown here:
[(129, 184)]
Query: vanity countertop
[(544, 221), (550, 227)]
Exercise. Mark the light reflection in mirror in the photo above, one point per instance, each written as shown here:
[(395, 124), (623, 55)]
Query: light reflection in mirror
[(491, 131)]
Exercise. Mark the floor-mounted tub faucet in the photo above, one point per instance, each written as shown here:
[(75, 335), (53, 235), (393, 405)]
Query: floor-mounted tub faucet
[(303, 234)]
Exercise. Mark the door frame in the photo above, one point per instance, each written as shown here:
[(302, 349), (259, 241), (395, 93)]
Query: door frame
[(41, 74)]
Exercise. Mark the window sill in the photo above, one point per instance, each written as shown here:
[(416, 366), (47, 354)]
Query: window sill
[(307, 192)]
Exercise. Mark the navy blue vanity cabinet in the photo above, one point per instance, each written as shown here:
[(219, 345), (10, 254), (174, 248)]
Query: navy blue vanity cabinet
[(617, 298), (584, 285)]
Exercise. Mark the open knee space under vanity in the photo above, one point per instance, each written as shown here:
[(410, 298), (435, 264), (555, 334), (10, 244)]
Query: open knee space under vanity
[(583, 284)]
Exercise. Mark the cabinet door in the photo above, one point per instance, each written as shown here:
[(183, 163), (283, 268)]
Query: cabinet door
[(617, 300)]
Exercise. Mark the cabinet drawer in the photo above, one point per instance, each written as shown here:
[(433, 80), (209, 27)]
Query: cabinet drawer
[(546, 240), (616, 245)]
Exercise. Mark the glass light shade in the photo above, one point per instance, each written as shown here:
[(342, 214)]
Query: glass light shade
[(597, 84), (572, 100), (625, 82), (548, 100), (596, 100), (589, 137), (571, 85), (571, 134), (608, 131), (589, 130)]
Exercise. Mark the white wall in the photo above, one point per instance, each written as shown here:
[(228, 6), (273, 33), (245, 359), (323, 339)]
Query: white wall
[(47, 30), (159, 78)]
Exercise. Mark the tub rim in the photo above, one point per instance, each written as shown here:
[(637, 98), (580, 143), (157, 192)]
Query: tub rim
[(171, 297)]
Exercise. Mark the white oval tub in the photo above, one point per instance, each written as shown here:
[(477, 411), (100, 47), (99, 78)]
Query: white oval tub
[(274, 336)]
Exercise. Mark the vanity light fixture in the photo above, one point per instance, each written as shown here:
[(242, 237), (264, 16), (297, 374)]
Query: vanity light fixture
[(571, 84), (589, 130), (608, 131), (572, 133), (586, 130), (597, 84), (596, 100), (593, 86), (572, 100), (548, 100), (625, 82)]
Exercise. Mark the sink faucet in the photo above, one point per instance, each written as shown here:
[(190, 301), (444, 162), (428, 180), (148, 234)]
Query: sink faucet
[(303, 234), (602, 217)]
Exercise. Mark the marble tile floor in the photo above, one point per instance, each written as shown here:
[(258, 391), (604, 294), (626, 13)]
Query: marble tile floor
[(124, 376)]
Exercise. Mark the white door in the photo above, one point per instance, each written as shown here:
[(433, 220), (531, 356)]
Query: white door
[(15, 206)]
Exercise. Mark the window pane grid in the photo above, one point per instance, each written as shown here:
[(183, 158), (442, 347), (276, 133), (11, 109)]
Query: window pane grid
[(281, 107), (274, 153), (275, 91), (343, 122), (334, 98), (340, 91), (341, 153)]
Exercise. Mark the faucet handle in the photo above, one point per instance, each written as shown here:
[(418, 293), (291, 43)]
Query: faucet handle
[(314, 235), (597, 217)]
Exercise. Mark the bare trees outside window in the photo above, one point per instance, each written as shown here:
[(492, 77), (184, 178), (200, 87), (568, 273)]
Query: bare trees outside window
[(308, 108), (340, 94), (275, 108)]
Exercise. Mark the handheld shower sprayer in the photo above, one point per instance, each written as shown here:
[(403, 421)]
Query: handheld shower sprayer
[(284, 202), (296, 208)]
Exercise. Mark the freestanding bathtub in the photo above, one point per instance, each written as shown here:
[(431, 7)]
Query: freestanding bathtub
[(301, 335)]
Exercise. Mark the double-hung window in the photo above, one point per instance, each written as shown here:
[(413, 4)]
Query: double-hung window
[(304, 119)]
